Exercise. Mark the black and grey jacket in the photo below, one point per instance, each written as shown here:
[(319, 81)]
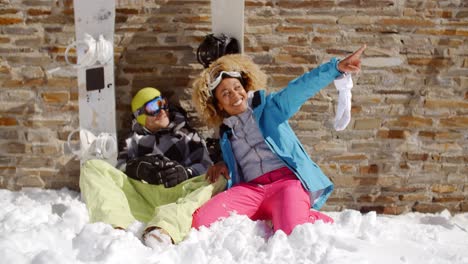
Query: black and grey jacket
[(178, 142)]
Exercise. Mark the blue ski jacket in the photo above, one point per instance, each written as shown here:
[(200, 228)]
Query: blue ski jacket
[(271, 113)]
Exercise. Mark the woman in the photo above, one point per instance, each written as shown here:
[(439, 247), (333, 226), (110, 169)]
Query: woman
[(271, 177)]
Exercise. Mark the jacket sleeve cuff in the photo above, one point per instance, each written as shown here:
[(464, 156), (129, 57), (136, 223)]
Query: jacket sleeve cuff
[(336, 62)]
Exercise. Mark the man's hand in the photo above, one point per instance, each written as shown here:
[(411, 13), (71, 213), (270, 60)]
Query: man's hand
[(175, 175), (352, 63), (216, 170), (157, 169), (146, 168)]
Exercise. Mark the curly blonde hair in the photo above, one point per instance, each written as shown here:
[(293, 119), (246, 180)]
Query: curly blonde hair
[(253, 79)]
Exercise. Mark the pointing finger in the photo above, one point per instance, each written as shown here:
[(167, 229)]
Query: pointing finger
[(359, 51)]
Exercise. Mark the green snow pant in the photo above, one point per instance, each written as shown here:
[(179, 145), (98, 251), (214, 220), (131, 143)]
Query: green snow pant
[(113, 198)]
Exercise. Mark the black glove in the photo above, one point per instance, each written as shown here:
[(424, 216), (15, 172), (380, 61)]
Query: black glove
[(148, 168), (175, 175), (157, 169)]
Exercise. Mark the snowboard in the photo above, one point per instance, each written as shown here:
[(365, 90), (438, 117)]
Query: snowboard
[(95, 21), (227, 16)]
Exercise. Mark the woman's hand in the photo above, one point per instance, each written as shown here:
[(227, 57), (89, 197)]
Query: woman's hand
[(216, 170), (352, 63)]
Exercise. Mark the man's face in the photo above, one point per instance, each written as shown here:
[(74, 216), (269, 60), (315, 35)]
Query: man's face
[(160, 121)]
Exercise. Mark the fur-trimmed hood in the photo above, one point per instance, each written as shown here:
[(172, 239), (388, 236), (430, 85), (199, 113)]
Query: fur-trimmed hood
[(253, 79)]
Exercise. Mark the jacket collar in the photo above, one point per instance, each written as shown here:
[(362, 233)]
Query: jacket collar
[(256, 100)]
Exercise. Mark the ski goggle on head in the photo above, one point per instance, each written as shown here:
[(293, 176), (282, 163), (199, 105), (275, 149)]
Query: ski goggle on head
[(215, 81), (152, 107)]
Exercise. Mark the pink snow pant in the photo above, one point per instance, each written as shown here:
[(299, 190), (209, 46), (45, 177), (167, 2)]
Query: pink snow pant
[(277, 196)]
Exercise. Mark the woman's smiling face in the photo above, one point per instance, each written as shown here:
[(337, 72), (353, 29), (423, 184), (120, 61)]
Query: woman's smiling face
[(231, 96)]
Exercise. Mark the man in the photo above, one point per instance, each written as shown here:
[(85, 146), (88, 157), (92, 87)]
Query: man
[(160, 187)]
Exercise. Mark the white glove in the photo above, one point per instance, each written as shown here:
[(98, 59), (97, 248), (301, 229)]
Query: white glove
[(343, 84)]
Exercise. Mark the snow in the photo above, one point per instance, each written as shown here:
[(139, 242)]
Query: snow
[(51, 226)]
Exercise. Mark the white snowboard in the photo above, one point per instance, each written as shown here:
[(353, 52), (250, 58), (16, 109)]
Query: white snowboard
[(227, 16), (96, 83)]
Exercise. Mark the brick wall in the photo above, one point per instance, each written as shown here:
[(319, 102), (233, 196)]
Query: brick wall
[(406, 148)]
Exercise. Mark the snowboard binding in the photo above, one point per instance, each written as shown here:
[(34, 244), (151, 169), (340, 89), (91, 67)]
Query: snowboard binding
[(215, 46)]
